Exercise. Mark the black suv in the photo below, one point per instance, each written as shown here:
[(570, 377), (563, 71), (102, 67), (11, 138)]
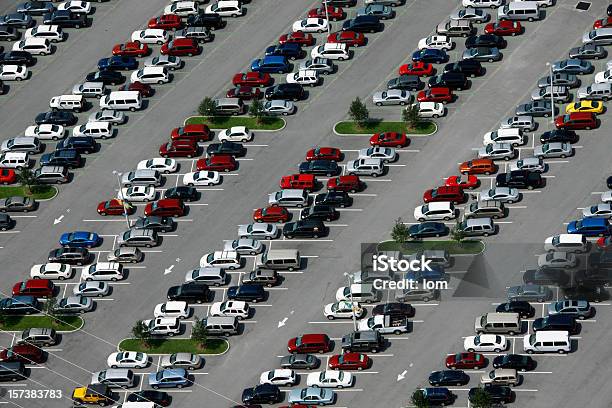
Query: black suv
[(560, 322), (248, 293), (452, 80), (546, 276), (184, 193), (293, 92), (592, 293), (56, 118), (72, 256), (485, 40), (6, 222), (394, 309), (335, 198), (211, 21), (262, 394), (225, 147), (469, 68), (320, 212), (524, 309), (405, 83), (82, 144), (368, 341), (156, 223), (320, 168), (593, 277), (304, 229), (519, 179), (68, 158), (65, 18), (189, 292), (500, 394), (363, 24), (16, 58), (107, 77), (559, 135)]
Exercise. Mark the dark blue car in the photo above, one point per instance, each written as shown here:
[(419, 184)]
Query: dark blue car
[(247, 293), (435, 274), (288, 50), (273, 64), (590, 227), (118, 62), (80, 239), (430, 55), (448, 377), (427, 229)]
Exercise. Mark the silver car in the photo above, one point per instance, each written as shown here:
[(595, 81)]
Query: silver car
[(595, 91), (560, 94), (244, 246), (386, 154), (534, 164), (505, 195), (258, 230), (529, 293), (497, 151), (189, 361), (108, 115), (91, 288), (379, 10), (74, 304), (581, 309), (523, 122), (556, 149), (588, 51), (482, 54), (557, 259), (323, 66), (573, 66), (125, 255), (475, 15), (391, 97), (279, 107), (598, 210), (569, 80), (169, 61)]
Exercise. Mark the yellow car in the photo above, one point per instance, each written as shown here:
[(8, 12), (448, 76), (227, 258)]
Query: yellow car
[(585, 106), (98, 394)]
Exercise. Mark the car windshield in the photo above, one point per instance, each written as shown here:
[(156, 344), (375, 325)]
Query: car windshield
[(489, 148)]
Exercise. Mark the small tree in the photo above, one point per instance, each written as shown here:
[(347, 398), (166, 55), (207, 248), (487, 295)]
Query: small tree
[(50, 310), (207, 107), (399, 233), (256, 110), (418, 399), (199, 333), (3, 317), (359, 112), (27, 179), (457, 233), (411, 117), (481, 399), (142, 333)]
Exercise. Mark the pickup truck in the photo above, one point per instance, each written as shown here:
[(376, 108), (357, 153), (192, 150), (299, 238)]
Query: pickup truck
[(385, 324)]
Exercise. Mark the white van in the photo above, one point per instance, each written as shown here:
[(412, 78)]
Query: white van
[(98, 130), (14, 160), (575, 243), (547, 342), (67, 102), (523, 10), (122, 100), (103, 271), (514, 136)]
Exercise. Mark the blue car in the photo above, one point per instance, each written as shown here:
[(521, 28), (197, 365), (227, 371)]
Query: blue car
[(427, 229), (289, 50), (80, 239), (436, 274), (273, 64), (169, 378), (430, 55), (590, 227), (118, 63)]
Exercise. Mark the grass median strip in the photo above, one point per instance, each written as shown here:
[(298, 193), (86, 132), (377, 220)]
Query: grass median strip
[(169, 346), (453, 247), (38, 193), (19, 323), (375, 126), (222, 122)]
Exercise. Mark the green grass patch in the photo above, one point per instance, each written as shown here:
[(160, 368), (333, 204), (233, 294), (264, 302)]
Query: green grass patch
[(169, 346), (453, 247), (218, 122), (38, 192), (376, 126), (19, 323)]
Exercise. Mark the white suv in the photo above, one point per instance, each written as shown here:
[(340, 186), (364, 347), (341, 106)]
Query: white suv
[(174, 309), (308, 77), (168, 326), (151, 36), (333, 51), (365, 167), (221, 259)]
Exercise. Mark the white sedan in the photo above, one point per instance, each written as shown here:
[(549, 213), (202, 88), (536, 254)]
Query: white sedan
[(598, 210), (174, 308), (430, 109), (507, 195), (128, 359), (606, 197), (13, 72), (182, 8), (310, 25), (79, 7), (386, 154), (280, 376), (330, 379), (437, 42), (151, 36), (603, 77), (160, 164), (258, 230), (46, 131), (169, 61), (202, 178), (236, 134), (485, 342), (557, 259), (137, 194), (343, 310), (51, 270)]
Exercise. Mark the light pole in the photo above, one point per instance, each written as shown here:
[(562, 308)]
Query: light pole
[(125, 211), (327, 17), (348, 280), (552, 96)]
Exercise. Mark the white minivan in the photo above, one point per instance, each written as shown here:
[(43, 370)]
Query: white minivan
[(103, 271), (122, 100), (547, 342)]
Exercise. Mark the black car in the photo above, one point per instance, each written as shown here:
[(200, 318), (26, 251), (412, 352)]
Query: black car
[(291, 51), (466, 67), (68, 158), (485, 40), (262, 394), (363, 24), (293, 92), (20, 305), (448, 377), (65, 19), (8, 33), (347, 3), (211, 21), (17, 20), (546, 276), (320, 212), (500, 394), (157, 397), (56, 118), (558, 322), (524, 309), (300, 361), (82, 144), (609, 182), (516, 361), (228, 148), (405, 83), (16, 58), (249, 293), (189, 292), (450, 80), (182, 192), (159, 224), (36, 7), (394, 309), (72, 256), (592, 293), (304, 229), (438, 396), (320, 168), (559, 135), (6, 222), (519, 179), (107, 77), (335, 198), (601, 259), (593, 277)]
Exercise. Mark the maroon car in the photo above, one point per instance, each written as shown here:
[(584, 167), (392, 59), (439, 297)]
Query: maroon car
[(244, 92), (466, 361), (145, 90), (23, 353), (179, 148)]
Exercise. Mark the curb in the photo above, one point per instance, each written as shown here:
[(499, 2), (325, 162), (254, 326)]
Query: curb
[(484, 247), (74, 330), (257, 130), (160, 354), (367, 134), (51, 198)]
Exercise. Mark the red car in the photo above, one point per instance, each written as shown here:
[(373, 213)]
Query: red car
[(310, 343), (39, 288), (350, 184), (389, 139), (298, 37), (244, 92), (299, 181), (23, 353), (453, 194), (464, 361), (166, 207), (334, 13), (217, 163), (503, 28), (347, 37), (605, 243), (179, 148), (576, 121), (199, 133), (7, 176), (464, 181), (115, 207), (252, 79), (602, 23), (436, 94), (271, 214), (349, 361), (145, 90), (131, 49), (324, 153), (417, 68), (181, 46), (166, 22)]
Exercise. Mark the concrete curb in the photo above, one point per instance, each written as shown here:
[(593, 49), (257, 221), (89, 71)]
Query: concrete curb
[(257, 130), (51, 198), (200, 354), (369, 134), (484, 246), (58, 331)]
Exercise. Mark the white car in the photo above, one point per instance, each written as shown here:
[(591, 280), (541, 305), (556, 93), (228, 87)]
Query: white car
[(137, 194), (226, 8), (278, 107), (330, 379), (202, 178), (343, 310), (438, 42), (51, 270), (557, 259), (35, 46), (151, 36), (471, 14), (280, 376), (482, 3), (332, 51), (46, 131), (91, 288), (435, 211), (258, 230), (128, 359), (603, 77), (78, 7), (151, 75), (169, 61), (160, 164), (236, 134), (598, 210), (174, 308), (13, 72), (183, 8), (503, 194), (304, 77), (606, 196), (391, 97), (115, 117), (310, 25), (232, 308), (244, 246), (497, 151), (431, 109), (386, 154), (485, 343), (168, 326), (102, 271), (53, 33)]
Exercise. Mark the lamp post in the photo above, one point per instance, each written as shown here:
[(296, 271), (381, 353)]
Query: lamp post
[(125, 212), (348, 280), (552, 96), (327, 17)]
